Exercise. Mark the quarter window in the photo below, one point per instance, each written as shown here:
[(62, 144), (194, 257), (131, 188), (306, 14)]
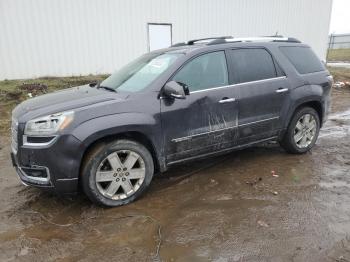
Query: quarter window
[(304, 60), (203, 72), (251, 64)]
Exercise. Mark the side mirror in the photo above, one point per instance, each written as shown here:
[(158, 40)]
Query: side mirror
[(175, 90), (92, 84)]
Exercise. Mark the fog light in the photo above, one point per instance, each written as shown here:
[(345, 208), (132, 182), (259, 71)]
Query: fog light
[(35, 172)]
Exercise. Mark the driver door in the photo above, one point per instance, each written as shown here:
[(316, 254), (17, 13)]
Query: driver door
[(206, 120)]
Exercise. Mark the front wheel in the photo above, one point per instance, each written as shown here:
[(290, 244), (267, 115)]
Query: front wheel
[(302, 131), (117, 173)]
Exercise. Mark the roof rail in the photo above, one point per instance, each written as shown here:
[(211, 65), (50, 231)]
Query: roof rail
[(179, 44), (222, 41), (191, 42), (255, 39), (230, 39), (290, 39), (280, 36)]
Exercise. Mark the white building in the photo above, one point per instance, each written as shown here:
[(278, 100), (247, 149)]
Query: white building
[(80, 37)]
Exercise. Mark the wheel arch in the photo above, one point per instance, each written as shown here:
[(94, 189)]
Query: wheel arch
[(130, 135), (313, 103)]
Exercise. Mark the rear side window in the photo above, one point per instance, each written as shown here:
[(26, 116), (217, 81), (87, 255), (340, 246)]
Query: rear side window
[(252, 64), (303, 58), (203, 72)]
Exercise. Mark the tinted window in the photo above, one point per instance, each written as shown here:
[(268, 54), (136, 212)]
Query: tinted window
[(252, 65), (303, 59), (205, 71), (279, 70)]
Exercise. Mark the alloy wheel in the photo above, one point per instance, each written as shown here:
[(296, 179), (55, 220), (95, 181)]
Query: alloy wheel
[(120, 174), (305, 130)]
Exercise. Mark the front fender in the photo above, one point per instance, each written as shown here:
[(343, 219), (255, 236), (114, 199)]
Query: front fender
[(109, 125)]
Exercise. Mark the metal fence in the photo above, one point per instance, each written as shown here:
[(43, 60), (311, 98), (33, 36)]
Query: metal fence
[(339, 41), (338, 48)]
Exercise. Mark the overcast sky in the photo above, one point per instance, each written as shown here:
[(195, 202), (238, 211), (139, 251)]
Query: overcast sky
[(340, 21)]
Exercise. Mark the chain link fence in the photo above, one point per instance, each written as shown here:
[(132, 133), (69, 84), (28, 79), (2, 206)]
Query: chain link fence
[(339, 48)]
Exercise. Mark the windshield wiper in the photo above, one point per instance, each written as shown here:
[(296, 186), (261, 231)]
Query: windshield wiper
[(108, 88), (105, 87)]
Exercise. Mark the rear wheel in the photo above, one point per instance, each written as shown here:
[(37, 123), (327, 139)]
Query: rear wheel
[(117, 173), (302, 131)]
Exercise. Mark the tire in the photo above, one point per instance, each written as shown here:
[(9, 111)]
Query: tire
[(296, 129), (110, 166)]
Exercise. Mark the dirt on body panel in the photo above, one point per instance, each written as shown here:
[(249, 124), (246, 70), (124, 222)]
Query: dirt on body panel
[(259, 204)]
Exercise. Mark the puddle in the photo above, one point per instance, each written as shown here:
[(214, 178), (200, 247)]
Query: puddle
[(337, 126)]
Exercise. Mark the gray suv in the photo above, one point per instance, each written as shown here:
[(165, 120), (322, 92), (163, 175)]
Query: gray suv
[(192, 100)]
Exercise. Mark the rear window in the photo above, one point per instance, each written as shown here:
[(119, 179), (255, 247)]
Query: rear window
[(251, 65), (303, 58)]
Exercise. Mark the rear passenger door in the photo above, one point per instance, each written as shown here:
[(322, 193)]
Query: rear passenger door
[(263, 90)]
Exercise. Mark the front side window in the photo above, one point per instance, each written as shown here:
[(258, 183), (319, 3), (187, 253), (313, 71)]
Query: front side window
[(137, 75), (203, 72), (251, 64)]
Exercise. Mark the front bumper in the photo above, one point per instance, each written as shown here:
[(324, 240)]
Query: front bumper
[(55, 168)]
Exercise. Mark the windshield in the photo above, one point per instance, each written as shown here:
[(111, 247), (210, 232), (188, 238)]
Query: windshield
[(138, 74)]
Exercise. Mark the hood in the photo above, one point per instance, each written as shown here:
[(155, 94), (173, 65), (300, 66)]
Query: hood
[(64, 100)]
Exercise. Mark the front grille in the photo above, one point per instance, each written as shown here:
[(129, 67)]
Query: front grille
[(14, 135)]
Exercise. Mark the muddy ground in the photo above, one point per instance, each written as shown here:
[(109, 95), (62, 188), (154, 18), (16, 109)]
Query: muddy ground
[(229, 208)]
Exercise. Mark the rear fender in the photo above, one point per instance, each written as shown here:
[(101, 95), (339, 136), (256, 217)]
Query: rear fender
[(304, 95)]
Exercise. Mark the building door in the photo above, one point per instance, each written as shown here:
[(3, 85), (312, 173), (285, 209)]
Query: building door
[(159, 36)]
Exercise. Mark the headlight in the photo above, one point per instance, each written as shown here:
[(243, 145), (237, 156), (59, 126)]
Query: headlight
[(49, 125)]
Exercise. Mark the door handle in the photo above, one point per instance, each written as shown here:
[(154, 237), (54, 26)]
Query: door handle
[(227, 100), (281, 90)]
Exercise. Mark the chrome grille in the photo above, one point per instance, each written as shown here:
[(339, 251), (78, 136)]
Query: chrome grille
[(14, 135)]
